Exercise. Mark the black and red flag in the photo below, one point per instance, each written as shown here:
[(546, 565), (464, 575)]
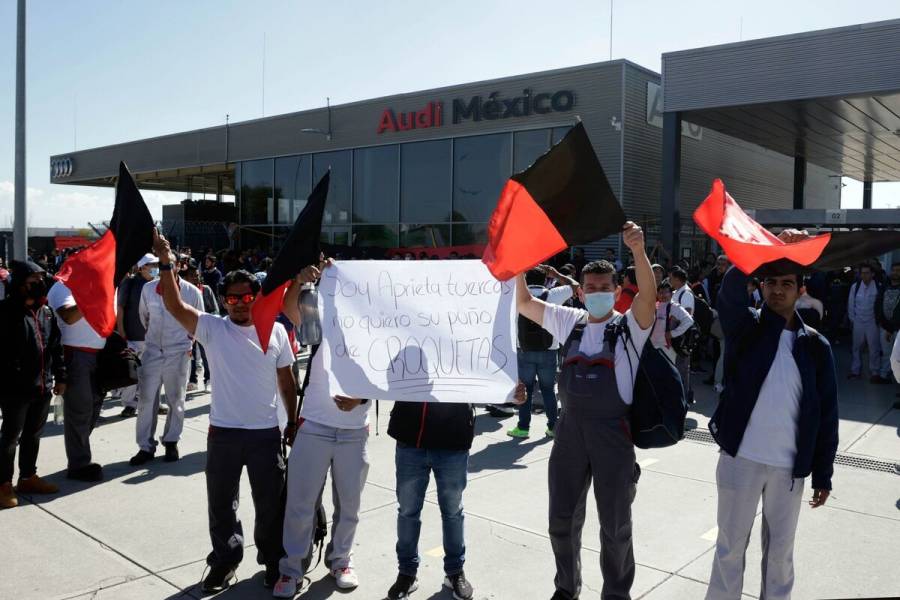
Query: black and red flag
[(562, 200), (300, 249), (753, 249), (93, 274)]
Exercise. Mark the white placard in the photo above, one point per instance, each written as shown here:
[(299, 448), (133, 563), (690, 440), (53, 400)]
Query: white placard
[(435, 331)]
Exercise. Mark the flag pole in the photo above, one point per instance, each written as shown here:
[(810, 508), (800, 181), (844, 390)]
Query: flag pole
[(20, 231)]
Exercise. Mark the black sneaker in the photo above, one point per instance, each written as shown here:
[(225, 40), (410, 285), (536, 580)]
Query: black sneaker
[(403, 587), (91, 473), (140, 458), (218, 579), (558, 595), (171, 452), (128, 412), (461, 588), (272, 575)]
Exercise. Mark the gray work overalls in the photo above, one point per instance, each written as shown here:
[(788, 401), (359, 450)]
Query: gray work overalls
[(592, 442)]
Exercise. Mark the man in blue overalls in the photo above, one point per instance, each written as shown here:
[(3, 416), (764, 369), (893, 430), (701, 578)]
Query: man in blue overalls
[(593, 440)]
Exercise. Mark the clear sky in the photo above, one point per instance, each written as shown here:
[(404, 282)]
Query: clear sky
[(119, 71)]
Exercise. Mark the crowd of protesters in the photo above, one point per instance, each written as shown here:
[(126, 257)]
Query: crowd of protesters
[(185, 314)]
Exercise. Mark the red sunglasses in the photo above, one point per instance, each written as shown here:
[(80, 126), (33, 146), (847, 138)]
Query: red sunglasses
[(233, 299)]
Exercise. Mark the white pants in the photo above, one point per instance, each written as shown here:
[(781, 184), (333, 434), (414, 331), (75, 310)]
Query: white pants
[(130, 394), (316, 449), (887, 345), (741, 483), (159, 368), (866, 333)]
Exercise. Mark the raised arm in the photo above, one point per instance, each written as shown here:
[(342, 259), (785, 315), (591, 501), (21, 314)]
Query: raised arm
[(291, 305), (563, 279), (528, 306), (644, 305), (184, 313)]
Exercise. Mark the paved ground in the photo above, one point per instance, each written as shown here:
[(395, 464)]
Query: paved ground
[(143, 532)]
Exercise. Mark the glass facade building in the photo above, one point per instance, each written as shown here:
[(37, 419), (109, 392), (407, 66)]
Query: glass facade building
[(414, 194)]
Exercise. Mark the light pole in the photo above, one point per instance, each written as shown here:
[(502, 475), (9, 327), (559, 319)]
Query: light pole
[(20, 231)]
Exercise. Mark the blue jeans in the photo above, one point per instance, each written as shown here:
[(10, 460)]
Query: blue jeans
[(543, 364), (413, 468)]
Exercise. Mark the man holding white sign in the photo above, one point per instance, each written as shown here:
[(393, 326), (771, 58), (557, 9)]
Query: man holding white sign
[(592, 439)]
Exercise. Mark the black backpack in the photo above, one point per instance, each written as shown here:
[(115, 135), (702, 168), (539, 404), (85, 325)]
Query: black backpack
[(685, 344), (703, 314), (658, 407), (531, 335)]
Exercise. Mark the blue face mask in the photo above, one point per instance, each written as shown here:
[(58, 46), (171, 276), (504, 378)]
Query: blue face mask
[(154, 273), (599, 304)]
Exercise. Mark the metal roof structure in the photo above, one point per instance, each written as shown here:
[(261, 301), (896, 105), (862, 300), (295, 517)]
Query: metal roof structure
[(830, 96)]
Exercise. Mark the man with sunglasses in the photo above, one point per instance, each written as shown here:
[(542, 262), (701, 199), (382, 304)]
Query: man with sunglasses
[(243, 420), (165, 362)]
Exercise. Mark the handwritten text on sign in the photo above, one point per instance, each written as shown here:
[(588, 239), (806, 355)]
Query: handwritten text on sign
[(418, 331)]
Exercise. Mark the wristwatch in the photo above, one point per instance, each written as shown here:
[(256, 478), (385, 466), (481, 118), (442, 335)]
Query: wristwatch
[(165, 266)]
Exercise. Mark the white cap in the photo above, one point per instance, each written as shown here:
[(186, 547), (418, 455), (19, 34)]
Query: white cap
[(147, 259)]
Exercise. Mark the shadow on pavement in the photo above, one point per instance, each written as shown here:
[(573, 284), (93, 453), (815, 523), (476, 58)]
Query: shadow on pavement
[(503, 455), (189, 465)]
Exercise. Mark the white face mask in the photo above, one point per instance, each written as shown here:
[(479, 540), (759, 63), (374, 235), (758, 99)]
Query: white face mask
[(599, 304), (154, 272)]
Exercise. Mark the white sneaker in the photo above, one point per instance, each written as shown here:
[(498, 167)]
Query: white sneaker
[(285, 588), (346, 578)]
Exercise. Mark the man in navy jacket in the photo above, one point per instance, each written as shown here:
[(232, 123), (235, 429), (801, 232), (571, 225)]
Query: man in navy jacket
[(776, 423)]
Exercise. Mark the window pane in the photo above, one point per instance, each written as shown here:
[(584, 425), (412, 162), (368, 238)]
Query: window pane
[(293, 184), (470, 233), (431, 236), (559, 133), (257, 203), (375, 185), (380, 236), (528, 146), (337, 207), (480, 169), (425, 182)]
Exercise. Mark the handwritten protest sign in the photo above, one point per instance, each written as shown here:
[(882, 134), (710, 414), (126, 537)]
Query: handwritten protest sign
[(418, 331)]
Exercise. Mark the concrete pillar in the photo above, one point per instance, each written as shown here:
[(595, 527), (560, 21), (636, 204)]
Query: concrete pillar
[(671, 183), (867, 194), (799, 181)]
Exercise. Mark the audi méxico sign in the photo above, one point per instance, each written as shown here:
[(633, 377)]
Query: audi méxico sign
[(488, 107)]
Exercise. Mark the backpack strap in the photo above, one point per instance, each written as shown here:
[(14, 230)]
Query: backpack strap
[(668, 315)]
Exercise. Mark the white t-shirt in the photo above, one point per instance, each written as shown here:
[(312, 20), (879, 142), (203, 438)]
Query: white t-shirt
[(771, 434), (561, 320), (79, 334), (685, 297), (680, 321), (244, 382), (163, 330), (318, 401), (556, 295)]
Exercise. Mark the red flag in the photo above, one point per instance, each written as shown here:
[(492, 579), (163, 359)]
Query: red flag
[(94, 273), (753, 249), (747, 243), (562, 200), (300, 249)]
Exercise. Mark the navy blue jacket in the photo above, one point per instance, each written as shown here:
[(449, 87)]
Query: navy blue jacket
[(751, 342)]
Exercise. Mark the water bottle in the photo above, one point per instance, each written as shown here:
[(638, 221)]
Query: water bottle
[(57, 404)]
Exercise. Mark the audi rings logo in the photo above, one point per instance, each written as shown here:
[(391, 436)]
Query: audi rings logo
[(61, 167)]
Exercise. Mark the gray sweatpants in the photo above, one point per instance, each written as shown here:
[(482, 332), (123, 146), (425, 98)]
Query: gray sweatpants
[(81, 405), (741, 483), (168, 369), (316, 449)]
